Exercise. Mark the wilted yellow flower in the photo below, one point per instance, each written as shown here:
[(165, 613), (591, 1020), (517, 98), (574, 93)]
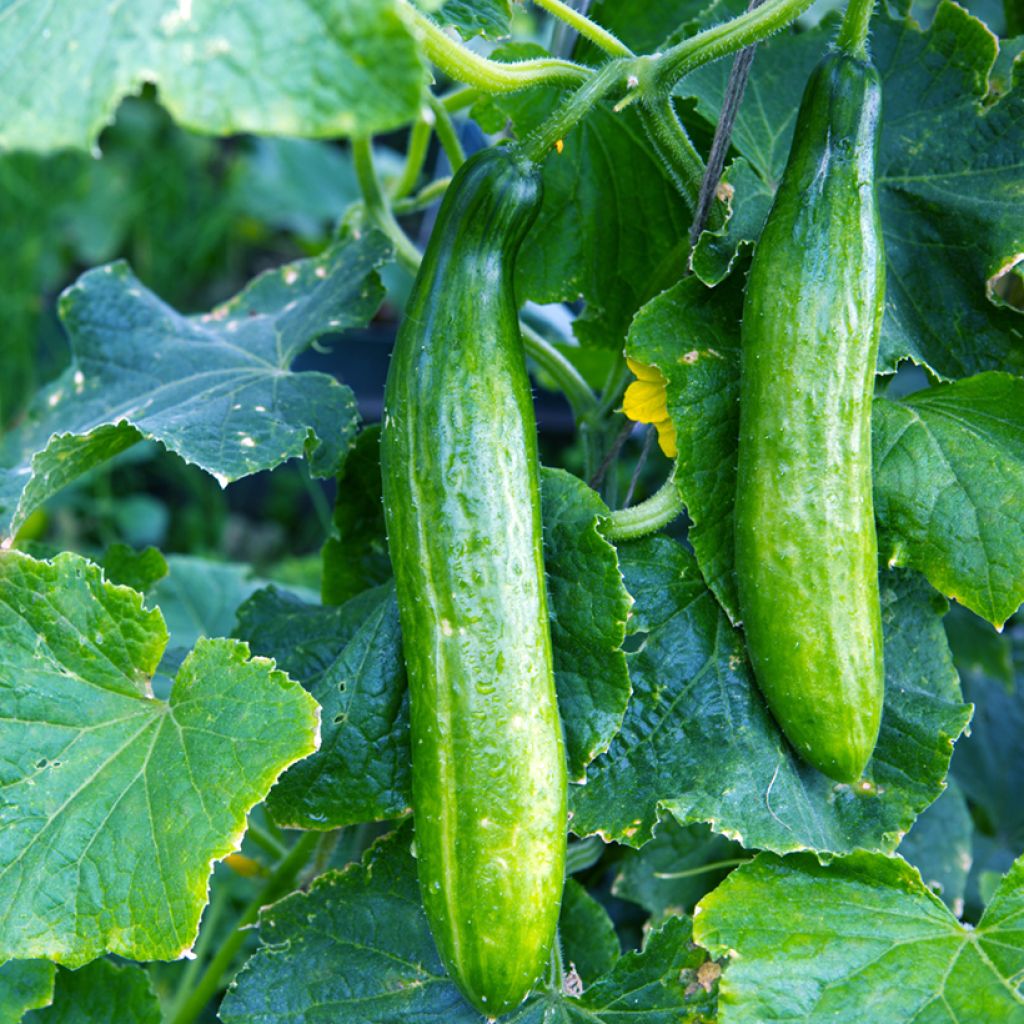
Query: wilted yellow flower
[(645, 401)]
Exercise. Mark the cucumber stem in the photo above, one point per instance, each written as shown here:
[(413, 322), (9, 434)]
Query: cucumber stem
[(720, 40), (588, 29), (853, 33), (463, 65), (377, 207), (415, 156), (446, 133), (657, 511), (673, 146), (575, 107)]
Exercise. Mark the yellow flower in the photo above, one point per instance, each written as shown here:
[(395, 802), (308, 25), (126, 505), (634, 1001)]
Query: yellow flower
[(645, 401), (244, 866)]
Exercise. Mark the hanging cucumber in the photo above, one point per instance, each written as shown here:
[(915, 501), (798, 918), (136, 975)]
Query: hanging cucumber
[(806, 551), (461, 499)]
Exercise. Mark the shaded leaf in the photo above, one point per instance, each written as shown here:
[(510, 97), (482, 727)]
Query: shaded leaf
[(349, 657), (948, 179), (101, 993), (139, 570), (939, 846), (949, 461), (355, 554), (590, 946), (949, 475), (818, 944), (215, 389), (699, 742), (588, 605), (302, 67), (675, 869), (114, 805), (357, 948), (612, 229), (24, 985)]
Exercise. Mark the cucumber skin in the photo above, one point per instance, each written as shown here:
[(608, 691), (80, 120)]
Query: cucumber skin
[(461, 497), (806, 549)]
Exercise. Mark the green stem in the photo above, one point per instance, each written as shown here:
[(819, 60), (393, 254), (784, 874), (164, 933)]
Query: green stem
[(446, 134), (588, 29), (853, 33), (657, 511), (264, 839), (703, 869), (569, 379), (575, 107), (377, 208), (415, 156), (218, 901), (426, 195), (459, 99), (463, 65), (278, 883), (673, 147), (718, 41)]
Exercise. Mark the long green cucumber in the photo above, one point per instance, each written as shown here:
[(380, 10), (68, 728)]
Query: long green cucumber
[(806, 550), (461, 499)]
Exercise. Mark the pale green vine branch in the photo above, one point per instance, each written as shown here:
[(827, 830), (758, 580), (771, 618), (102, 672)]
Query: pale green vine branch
[(638, 521), (588, 29), (853, 33)]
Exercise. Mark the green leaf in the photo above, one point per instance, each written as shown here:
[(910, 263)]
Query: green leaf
[(355, 554), (215, 389), (590, 946), (699, 743), (362, 769), (199, 597), (692, 337), (475, 17), (113, 804), (948, 178), (24, 985), (357, 948), (297, 185), (989, 763), (322, 68), (979, 651), (612, 229), (816, 944), (350, 659), (675, 869), (949, 475), (588, 623), (139, 570), (949, 461), (101, 993), (939, 846)]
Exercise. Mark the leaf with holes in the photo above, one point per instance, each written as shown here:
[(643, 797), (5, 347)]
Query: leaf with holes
[(216, 389)]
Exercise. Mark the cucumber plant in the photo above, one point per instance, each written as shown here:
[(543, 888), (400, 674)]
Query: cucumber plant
[(632, 669)]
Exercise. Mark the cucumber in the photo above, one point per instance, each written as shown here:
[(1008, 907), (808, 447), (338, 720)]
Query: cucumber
[(461, 500), (806, 550)]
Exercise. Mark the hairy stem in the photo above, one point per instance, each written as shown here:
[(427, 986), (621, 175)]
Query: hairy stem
[(588, 29), (575, 107), (673, 147), (657, 511), (377, 208), (720, 40), (853, 33), (460, 63)]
